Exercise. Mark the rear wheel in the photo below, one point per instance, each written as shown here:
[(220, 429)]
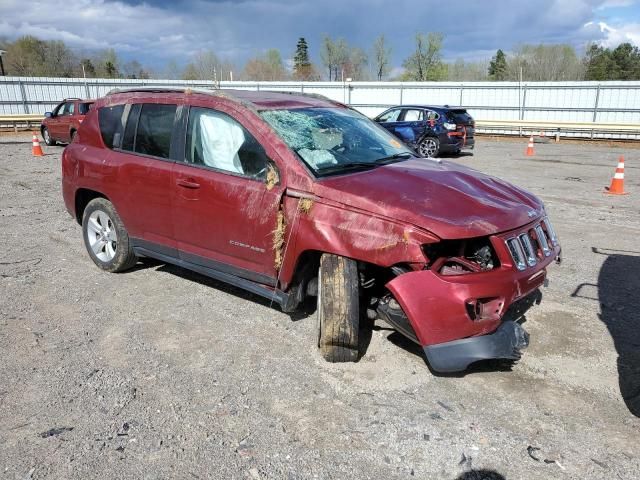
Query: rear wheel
[(105, 237), (338, 308), (429, 147), (46, 136)]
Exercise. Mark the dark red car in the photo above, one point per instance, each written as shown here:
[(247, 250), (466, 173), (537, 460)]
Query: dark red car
[(290, 196), (62, 124)]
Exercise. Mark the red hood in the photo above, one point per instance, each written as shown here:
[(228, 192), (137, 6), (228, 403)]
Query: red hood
[(445, 198)]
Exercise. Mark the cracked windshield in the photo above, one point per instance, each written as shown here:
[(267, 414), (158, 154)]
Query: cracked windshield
[(332, 140)]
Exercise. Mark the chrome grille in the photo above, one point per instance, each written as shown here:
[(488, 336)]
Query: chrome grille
[(529, 247), (516, 253), (552, 233), (542, 241)]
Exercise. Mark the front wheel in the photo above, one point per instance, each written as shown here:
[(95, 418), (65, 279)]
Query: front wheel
[(105, 237), (338, 308), (429, 147), (46, 136)]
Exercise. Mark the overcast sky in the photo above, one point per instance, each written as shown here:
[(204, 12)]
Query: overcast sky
[(156, 31)]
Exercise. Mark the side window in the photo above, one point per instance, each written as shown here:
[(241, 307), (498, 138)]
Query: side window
[(390, 116), (84, 108), (413, 115), (216, 140), (70, 108), (432, 116), (59, 110), (129, 139), (155, 126), (110, 120)]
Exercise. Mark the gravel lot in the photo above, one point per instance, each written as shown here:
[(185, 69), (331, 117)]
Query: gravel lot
[(161, 373)]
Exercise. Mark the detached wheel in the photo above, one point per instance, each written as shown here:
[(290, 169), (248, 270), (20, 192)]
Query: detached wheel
[(429, 147), (46, 136), (338, 308), (105, 237)]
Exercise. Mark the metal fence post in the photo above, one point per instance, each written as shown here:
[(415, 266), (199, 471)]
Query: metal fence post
[(595, 107), (23, 94), (524, 101), (400, 93), (461, 90)]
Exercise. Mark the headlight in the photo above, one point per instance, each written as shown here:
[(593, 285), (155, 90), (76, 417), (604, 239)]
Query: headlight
[(450, 126)]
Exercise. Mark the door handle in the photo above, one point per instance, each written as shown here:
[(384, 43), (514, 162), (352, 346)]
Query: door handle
[(187, 183)]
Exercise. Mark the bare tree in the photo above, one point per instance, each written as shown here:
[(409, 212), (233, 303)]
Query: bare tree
[(426, 62), (545, 63), (268, 67), (381, 57)]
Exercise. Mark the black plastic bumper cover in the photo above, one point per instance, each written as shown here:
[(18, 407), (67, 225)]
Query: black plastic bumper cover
[(456, 356)]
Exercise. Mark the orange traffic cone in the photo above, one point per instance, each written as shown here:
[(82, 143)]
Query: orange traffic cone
[(617, 182), (36, 150), (529, 152)]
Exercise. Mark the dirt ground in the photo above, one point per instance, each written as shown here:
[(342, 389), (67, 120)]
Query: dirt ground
[(161, 373)]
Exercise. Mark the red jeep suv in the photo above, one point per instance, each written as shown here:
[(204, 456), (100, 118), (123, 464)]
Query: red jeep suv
[(62, 124), (290, 195)]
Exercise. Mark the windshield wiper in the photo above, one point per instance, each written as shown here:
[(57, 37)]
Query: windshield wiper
[(341, 167), (395, 156)]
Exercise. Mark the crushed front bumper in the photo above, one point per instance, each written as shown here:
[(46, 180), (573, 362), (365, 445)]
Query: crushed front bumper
[(465, 314), (456, 356)]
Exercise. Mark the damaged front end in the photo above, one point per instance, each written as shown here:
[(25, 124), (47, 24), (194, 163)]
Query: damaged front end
[(455, 307)]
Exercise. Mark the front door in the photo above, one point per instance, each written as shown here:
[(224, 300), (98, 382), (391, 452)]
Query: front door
[(224, 215), (55, 123)]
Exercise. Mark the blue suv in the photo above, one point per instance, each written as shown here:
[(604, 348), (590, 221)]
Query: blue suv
[(430, 130)]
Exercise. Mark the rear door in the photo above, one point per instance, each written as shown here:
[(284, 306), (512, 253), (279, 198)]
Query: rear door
[(224, 214), (411, 125), (144, 157)]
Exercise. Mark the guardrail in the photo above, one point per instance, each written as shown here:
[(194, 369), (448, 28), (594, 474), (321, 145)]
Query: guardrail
[(22, 120), (613, 131), (505, 127)]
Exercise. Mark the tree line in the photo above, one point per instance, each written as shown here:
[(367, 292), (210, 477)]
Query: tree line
[(30, 56)]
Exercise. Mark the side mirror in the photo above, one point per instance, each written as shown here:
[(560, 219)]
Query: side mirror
[(48, 115), (272, 178)]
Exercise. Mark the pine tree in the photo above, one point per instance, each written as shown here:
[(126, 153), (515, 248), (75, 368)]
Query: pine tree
[(301, 65), (498, 66)]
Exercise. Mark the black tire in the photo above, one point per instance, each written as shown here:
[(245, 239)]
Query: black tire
[(110, 253), (72, 135), (338, 308), (429, 147), (50, 142)]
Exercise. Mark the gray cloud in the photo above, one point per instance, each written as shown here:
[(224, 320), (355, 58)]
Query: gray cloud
[(155, 31)]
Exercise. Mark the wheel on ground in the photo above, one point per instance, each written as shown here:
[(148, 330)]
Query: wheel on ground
[(72, 135), (338, 308), (429, 147), (46, 136), (105, 237)]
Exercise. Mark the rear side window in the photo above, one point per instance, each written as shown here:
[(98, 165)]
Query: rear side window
[(413, 115), (459, 116), (110, 120), (155, 126), (84, 108)]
